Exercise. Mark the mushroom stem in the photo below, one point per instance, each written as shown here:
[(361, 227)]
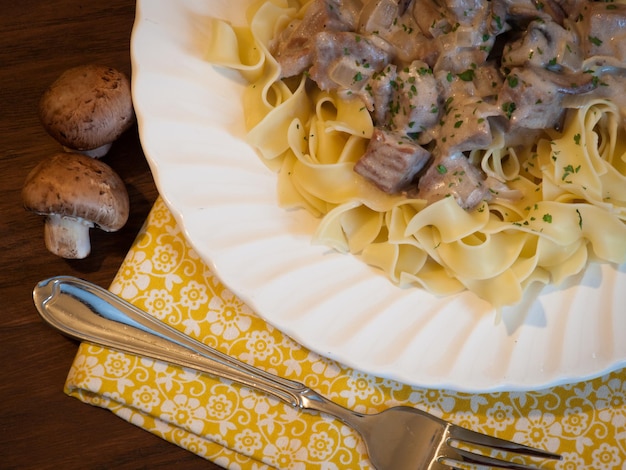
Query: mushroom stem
[(67, 237), (98, 152)]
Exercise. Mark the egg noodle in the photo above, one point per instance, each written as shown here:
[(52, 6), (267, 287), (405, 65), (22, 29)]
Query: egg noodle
[(573, 183)]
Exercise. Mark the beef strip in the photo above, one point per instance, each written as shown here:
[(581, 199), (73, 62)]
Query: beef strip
[(467, 127), (388, 20), (345, 61), (464, 48), (487, 81), (380, 90), (415, 104), (529, 100), (391, 161), (470, 103), (452, 175), (293, 48), (469, 41), (603, 31)]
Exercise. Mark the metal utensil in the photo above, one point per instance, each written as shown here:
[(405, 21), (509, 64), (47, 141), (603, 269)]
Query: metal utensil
[(398, 438)]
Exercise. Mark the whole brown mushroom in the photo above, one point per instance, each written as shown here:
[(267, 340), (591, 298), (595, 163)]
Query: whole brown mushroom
[(75, 193), (87, 108)]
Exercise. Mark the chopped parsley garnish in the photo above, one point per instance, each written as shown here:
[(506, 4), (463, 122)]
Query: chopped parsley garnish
[(569, 170), (467, 76), (512, 81), (595, 40), (509, 108)]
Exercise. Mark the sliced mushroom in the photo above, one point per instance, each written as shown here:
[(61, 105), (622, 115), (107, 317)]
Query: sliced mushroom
[(567, 83), (87, 108), (75, 193)]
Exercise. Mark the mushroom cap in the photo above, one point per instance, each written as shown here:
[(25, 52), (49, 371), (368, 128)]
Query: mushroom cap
[(87, 107), (76, 186)]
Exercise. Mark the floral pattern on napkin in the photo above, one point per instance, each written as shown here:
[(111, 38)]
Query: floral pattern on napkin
[(238, 428)]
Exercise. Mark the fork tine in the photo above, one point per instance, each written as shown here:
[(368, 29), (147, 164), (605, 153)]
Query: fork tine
[(471, 458), (472, 437)]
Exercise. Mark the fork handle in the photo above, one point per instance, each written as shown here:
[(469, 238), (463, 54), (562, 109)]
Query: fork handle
[(87, 312)]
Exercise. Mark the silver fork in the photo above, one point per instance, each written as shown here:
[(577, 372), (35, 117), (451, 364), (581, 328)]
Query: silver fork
[(398, 438)]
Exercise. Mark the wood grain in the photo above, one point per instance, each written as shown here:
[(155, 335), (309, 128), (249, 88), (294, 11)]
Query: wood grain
[(40, 427)]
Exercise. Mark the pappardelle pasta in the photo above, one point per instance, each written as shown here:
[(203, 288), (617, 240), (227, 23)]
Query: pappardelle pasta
[(556, 197)]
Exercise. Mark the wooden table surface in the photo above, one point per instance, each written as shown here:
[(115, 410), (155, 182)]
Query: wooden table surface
[(40, 427)]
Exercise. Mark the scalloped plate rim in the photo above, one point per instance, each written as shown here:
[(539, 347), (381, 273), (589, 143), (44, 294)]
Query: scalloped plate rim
[(192, 138)]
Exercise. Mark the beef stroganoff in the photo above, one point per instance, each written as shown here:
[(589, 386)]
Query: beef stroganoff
[(458, 145)]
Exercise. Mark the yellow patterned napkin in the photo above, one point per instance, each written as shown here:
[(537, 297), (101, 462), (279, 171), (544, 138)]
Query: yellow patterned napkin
[(240, 429)]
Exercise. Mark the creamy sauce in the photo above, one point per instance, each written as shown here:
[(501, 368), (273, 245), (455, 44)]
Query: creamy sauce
[(445, 77)]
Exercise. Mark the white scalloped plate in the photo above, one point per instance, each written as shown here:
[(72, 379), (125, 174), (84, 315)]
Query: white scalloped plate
[(191, 127)]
